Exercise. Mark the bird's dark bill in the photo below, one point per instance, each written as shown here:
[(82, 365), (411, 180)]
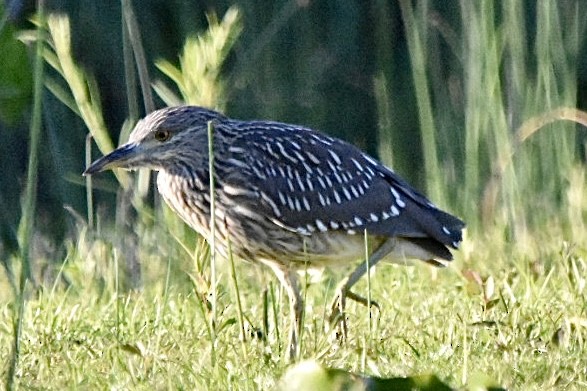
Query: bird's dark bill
[(114, 159)]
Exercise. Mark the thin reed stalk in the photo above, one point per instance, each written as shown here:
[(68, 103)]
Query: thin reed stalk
[(26, 226), (213, 276), (415, 39), (239, 307)]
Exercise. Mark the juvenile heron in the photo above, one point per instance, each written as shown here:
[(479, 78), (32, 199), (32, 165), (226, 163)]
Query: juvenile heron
[(286, 196)]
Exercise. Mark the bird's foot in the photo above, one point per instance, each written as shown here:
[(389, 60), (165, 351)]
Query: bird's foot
[(363, 300), (337, 317), (337, 320)]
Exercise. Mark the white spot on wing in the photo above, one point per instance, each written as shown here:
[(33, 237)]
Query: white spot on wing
[(321, 225), (303, 231), (394, 192), (321, 182), (290, 203), (394, 211), (312, 157), (357, 164), (281, 198), (290, 185), (258, 173), (397, 197), (309, 183), (306, 203), (237, 191), (370, 160), (285, 154), (346, 193), (236, 162), (268, 200), (289, 172), (271, 151), (236, 149), (360, 188), (334, 156), (321, 139), (299, 156), (328, 181), (300, 183)]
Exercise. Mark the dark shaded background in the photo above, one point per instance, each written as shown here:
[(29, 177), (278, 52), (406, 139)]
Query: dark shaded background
[(302, 61)]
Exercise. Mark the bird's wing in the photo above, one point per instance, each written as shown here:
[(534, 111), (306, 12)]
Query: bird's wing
[(309, 182)]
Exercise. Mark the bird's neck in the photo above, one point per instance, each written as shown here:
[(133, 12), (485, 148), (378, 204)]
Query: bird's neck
[(187, 192)]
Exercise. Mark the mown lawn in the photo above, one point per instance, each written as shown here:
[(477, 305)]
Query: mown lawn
[(499, 311)]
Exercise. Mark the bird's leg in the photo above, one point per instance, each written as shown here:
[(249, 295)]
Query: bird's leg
[(343, 290), (289, 280), (362, 300)]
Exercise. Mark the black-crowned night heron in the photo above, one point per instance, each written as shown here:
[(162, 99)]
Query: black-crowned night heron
[(286, 196)]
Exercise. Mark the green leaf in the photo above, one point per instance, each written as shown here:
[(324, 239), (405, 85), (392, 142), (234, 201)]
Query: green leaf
[(309, 375), (16, 79)]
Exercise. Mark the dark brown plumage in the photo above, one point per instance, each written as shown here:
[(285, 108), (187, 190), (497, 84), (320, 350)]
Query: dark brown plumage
[(285, 196)]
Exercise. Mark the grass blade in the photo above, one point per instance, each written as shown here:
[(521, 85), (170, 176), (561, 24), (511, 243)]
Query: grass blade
[(212, 234), (26, 226)]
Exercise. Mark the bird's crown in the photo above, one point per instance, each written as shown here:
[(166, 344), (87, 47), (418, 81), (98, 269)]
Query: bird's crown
[(170, 120)]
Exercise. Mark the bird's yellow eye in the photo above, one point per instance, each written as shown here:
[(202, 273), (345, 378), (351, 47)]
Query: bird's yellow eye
[(162, 135)]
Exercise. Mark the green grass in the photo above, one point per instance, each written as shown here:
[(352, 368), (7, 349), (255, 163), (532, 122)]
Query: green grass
[(527, 332), (512, 306)]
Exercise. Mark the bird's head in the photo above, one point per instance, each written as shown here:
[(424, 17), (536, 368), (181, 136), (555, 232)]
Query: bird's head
[(161, 138)]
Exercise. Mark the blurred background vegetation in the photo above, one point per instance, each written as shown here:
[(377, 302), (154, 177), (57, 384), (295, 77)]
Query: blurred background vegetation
[(447, 93)]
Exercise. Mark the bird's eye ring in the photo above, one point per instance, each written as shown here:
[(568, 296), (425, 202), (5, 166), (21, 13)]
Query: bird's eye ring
[(162, 135)]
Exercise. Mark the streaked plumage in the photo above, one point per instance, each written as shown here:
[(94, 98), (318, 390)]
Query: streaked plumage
[(285, 194)]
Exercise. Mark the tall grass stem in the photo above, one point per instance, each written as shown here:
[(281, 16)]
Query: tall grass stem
[(134, 35), (212, 238), (26, 226), (239, 307), (89, 184), (368, 268), (416, 48), (132, 98)]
